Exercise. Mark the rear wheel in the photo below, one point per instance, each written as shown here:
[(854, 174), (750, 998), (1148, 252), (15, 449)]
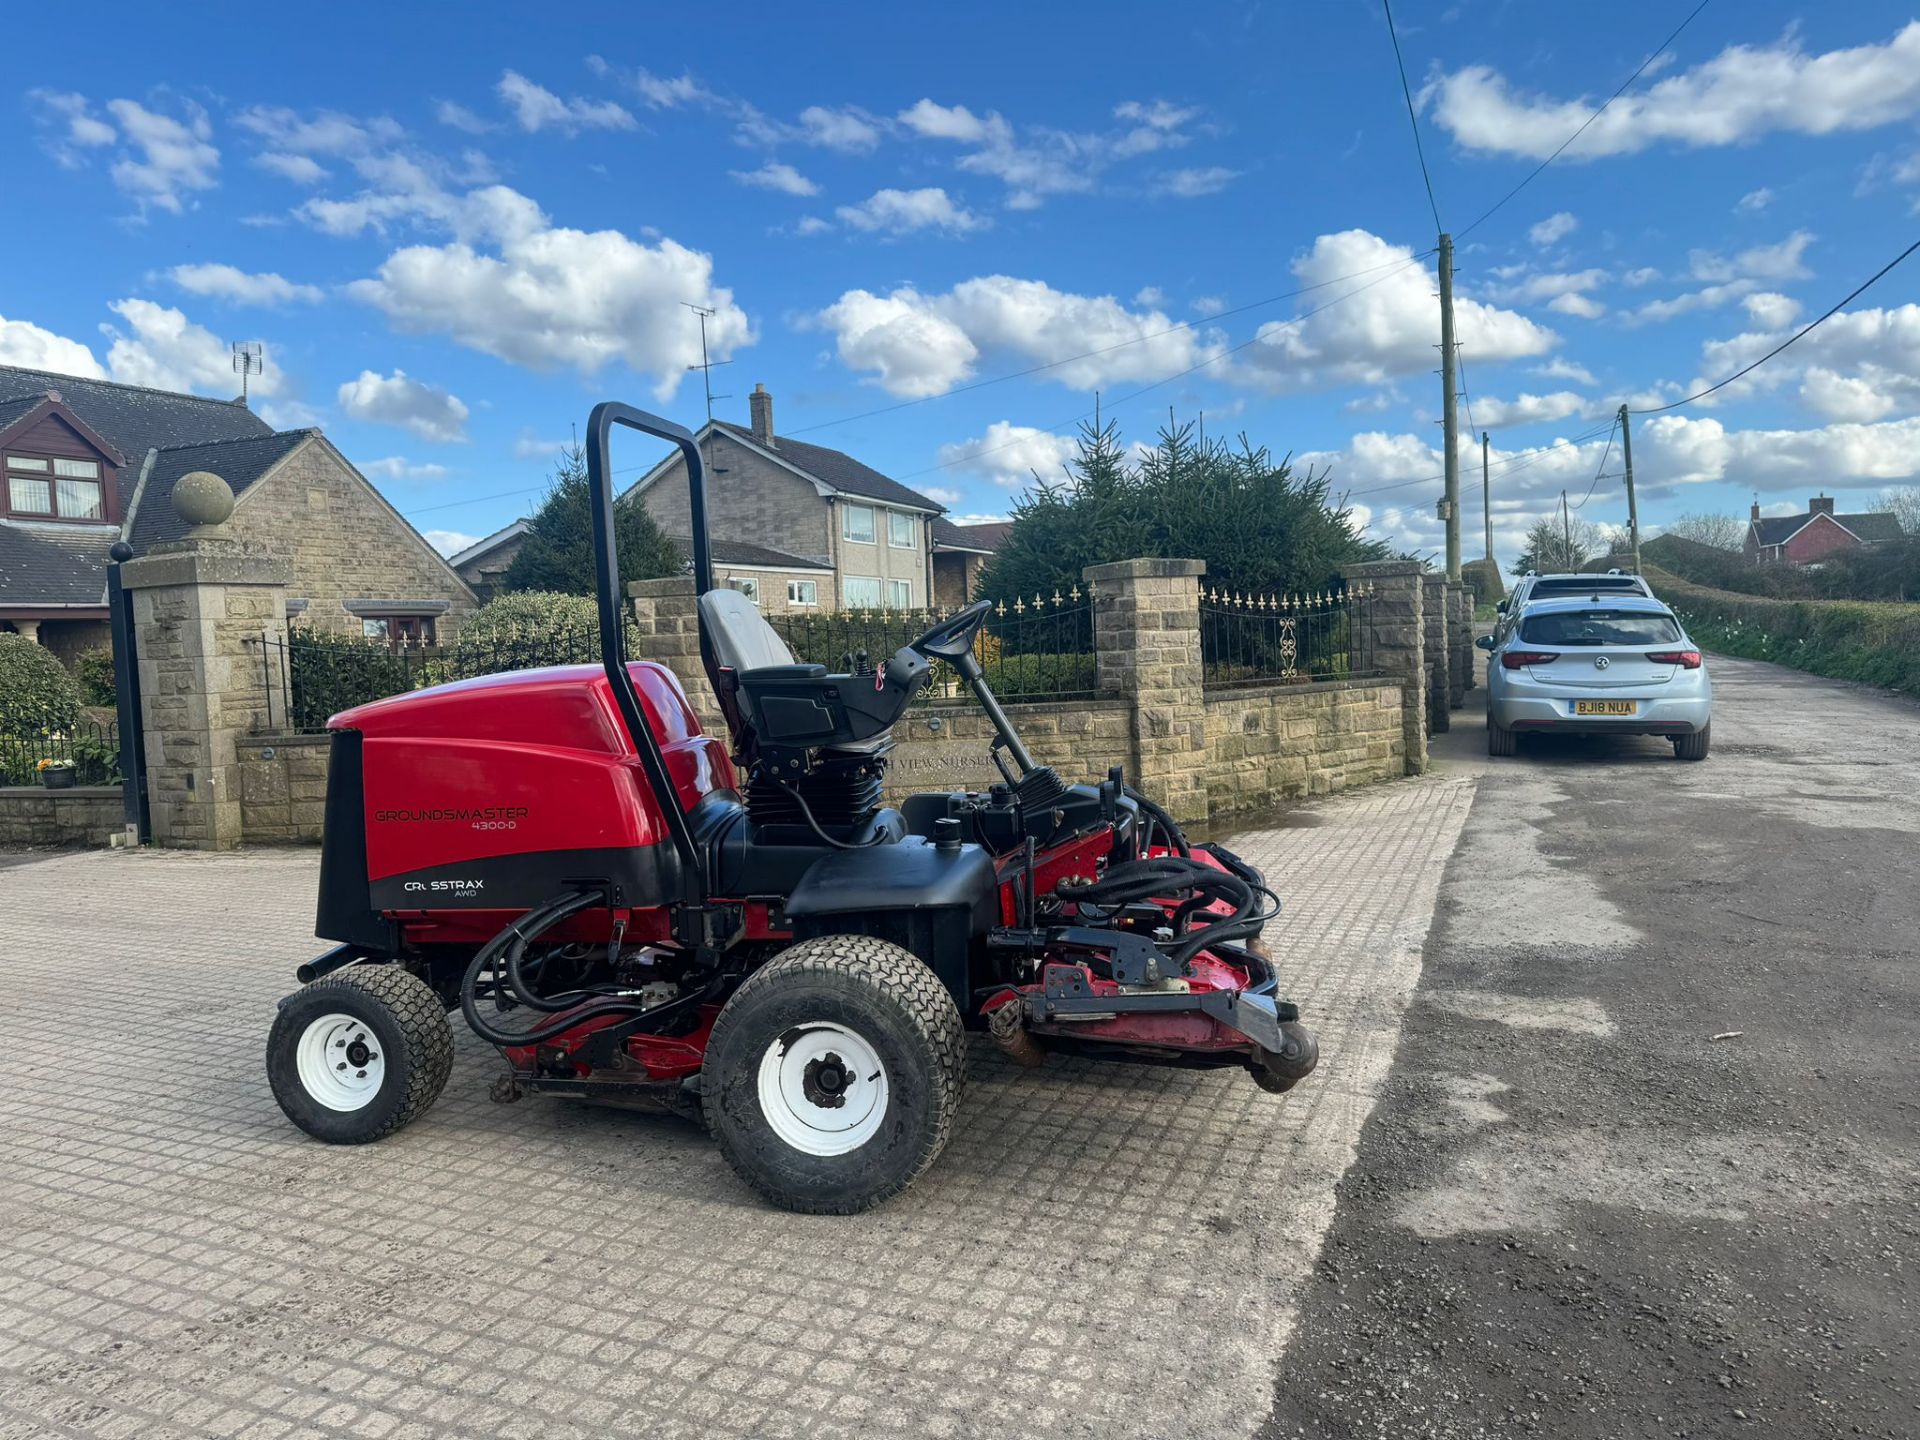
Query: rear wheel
[(1694, 746), (359, 1054), (1500, 740), (834, 1073)]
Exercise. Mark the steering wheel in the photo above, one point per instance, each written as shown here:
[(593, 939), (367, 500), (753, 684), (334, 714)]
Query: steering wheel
[(953, 636)]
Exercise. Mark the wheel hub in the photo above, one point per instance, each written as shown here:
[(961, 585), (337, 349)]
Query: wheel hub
[(340, 1062), (823, 1089)]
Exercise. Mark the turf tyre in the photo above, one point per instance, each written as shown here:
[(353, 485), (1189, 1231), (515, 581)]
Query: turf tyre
[(413, 1039)]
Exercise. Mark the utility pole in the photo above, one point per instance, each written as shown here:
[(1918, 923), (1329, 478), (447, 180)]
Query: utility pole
[(1449, 422), (1486, 493), (1566, 534), (1633, 508)]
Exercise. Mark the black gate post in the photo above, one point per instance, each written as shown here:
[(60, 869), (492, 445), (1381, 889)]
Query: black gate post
[(126, 694)]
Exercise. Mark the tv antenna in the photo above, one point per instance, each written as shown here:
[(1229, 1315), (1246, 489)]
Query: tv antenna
[(249, 359), (706, 367)]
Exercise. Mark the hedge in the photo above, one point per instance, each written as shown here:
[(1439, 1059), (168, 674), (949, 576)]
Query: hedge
[(1877, 643), (36, 692)]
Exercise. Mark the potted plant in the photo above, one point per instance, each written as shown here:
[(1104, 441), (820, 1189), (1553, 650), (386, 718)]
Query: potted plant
[(56, 774)]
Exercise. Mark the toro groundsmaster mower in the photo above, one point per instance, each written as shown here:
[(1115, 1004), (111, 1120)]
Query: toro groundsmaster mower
[(634, 913)]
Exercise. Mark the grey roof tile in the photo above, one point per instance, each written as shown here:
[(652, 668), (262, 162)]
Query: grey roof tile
[(238, 462), (54, 564), (840, 470)]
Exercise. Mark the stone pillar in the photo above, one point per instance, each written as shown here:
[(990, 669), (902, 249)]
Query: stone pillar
[(667, 617), (1146, 632), (1465, 640), (1394, 641), (27, 629), (1433, 615), (1458, 666), (201, 609)]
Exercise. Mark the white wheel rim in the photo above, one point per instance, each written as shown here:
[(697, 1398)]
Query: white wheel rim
[(342, 1064), (809, 1068)]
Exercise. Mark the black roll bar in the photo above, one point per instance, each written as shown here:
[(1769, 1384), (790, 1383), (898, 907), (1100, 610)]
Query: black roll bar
[(606, 578)]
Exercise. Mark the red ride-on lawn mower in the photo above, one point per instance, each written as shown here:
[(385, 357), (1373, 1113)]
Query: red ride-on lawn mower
[(564, 857)]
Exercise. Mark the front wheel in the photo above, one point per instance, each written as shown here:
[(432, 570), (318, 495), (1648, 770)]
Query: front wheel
[(355, 1056), (1694, 746), (833, 1075)]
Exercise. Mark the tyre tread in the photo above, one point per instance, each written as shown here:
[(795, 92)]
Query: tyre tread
[(422, 1021)]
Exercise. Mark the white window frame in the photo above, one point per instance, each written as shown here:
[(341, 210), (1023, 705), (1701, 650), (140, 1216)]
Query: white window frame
[(803, 592), (900, 523), (847, 512), (747, 585), (899, 594), (846, 589)]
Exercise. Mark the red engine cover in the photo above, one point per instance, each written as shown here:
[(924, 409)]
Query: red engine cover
[(532, 767)]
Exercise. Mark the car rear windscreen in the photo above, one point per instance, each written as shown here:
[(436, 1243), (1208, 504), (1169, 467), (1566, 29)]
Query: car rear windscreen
[(1599, 627), (1588, 583)]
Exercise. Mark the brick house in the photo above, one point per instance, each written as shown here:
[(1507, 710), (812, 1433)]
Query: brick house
[(834, 533), (1808, 538), (960, 552), (88, 463)]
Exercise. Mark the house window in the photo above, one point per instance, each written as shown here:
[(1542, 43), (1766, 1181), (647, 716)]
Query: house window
[(803, 592), (899, 530), (862, 592), (399, 632), (59, 489), (856, 524), (900, 594), (747, 585)]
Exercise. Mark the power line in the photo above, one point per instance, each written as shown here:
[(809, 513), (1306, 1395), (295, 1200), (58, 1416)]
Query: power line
[(1412, 118), (1605, 455), (1511, 465), (1174, 329), (1857, 292), (1460, 359), (1641, 70)]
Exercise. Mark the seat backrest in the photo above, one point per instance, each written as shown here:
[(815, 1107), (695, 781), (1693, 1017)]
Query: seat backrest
[(742, 639)]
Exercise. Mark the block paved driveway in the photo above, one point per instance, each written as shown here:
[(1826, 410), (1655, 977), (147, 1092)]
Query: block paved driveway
[(1103, 1250)]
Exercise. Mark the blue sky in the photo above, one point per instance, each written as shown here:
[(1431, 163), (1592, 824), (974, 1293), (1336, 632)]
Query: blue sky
[(453, 237)]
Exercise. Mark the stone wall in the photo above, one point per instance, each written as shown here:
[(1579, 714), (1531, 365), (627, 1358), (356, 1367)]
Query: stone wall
[(340, 542), (283, 788), (83, 815), (944, 746), (1272, 744)]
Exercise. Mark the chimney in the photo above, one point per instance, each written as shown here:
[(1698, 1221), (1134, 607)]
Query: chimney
[(1756, 510), (1820, 505), (761, 405)]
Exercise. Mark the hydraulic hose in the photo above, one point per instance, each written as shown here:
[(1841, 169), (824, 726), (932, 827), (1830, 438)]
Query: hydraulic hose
[(1175, 836), (513, 941)]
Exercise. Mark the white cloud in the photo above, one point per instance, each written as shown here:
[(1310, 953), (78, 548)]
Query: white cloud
[(1582, 306), (952, 122), (920, 344), (1554, 228), (1771, 310), (1150, 295), (74, 128), (1845, 397), (1743, 93), (1209, 305), (1190, 183), (777, 176), (1010, 455), (1386, 326), (978, 518), (167, 351), (529, 446), (1709, 297), (812, 225), (553, 296), (1763, 262), (323, 132), (1754, 201), (27, 345), (537, 108), (1528, 409), (396, 467), (663, 92), (1524, 288), (228, 282), (847, 129), (459, 117), (1561, 368), (941, 495), (900, 212), (284, 414), (429, 412), (161, 160), (450, 542), (1859, 365), (1645, 275), (301, 169)]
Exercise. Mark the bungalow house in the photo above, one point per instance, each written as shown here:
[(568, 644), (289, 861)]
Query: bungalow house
[(829, 531), (88, 463), (960, 552), (1808, 538)]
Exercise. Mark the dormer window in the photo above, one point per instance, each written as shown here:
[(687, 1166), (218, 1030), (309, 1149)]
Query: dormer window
[(49, 487)]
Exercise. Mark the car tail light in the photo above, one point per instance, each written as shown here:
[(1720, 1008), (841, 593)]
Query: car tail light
[(1520, 659), (1685, 659)]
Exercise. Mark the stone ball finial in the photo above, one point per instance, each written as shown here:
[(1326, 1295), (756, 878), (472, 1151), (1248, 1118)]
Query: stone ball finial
[(201, 497)]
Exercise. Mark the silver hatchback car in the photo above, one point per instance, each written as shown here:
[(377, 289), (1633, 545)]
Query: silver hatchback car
[(1598, 665)]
